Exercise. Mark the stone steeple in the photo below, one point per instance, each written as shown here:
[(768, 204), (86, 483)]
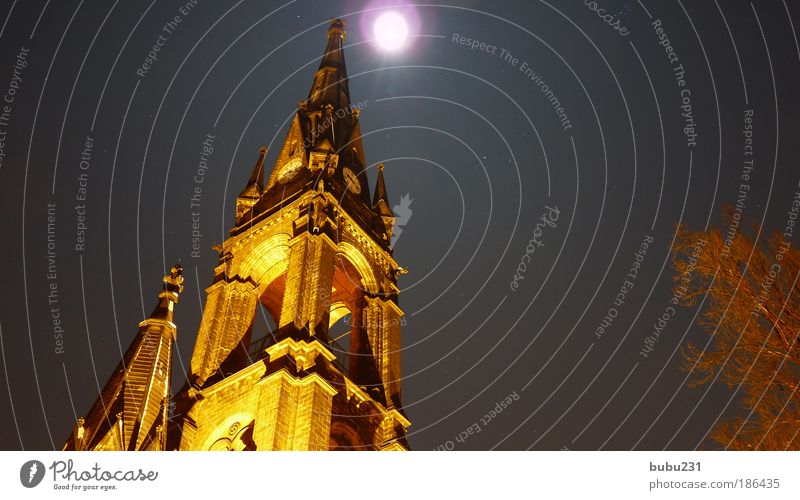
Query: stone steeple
[(323, 142), (312, 249), (309, 247), (131, 412)]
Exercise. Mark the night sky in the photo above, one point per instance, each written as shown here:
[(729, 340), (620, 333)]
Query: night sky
[(525, 132)]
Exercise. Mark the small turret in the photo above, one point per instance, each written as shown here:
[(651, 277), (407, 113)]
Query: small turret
[(254, 188), (380, 205)]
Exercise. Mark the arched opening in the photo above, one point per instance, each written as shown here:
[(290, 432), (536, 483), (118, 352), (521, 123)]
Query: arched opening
[(265, 320), (261, 330), (262, 333), (345, 438), (339, 332), (347, 337), (264, 266)]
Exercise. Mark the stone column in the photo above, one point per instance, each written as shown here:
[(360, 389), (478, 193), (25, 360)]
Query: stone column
[(293, 413), (362, 367), (227, 316), (309, 279), (382, 322)]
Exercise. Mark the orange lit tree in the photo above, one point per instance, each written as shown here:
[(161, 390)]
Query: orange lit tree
[(752, 313)]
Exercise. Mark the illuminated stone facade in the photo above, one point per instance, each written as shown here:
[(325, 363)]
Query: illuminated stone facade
[(311, 247)]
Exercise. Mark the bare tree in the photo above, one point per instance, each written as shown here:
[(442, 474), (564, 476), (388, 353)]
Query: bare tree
[(752, 313)]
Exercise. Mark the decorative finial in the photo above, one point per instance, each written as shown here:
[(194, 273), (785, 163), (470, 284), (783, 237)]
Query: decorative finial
[(173, 282), (337, 27), (80, 432)]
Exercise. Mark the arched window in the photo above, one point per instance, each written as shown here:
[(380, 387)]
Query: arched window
[(341, 323), (352, 280)]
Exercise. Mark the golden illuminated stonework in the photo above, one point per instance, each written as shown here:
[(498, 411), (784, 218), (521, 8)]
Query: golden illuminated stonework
[(311, 246)]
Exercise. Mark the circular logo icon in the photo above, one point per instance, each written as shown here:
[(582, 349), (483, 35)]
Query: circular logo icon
[(31, 473)]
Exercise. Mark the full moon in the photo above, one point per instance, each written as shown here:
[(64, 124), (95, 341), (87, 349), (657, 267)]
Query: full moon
[(390, 31)]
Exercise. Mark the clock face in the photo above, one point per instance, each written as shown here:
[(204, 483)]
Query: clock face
[(290, 169), (351, 180)]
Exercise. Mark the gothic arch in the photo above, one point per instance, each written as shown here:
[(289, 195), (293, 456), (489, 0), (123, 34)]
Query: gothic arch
[(265, 264), (264, 261), (365, 271), (338, 310)]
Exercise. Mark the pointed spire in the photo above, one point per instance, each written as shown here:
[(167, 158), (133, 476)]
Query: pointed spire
[(330, 82), (334, 55), (381, 207), (134, 401), (255, 185), (380, 202), (324, 139)]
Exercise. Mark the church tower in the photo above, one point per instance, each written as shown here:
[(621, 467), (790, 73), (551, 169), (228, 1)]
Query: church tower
[(310, 246), (312, 249)]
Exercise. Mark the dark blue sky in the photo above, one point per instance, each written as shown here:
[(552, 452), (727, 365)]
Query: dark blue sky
[(474, 138)]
